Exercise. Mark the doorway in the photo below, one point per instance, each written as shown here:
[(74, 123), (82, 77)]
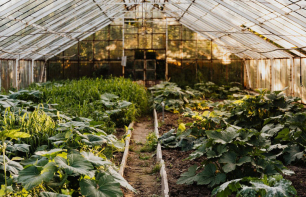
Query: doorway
[(141, 66)]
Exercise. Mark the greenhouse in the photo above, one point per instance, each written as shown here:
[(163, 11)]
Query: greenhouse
[(152, 98)]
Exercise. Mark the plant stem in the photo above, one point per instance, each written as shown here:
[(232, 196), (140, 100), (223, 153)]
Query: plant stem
[(4, 165)]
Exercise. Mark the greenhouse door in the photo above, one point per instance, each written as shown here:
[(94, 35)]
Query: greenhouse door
[(145, 70), (143, 67)]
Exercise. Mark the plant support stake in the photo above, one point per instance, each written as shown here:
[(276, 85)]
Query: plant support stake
[(163, 105)]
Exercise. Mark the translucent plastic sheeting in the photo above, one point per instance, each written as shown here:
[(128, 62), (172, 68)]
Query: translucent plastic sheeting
[(290, 73), (25, 73), (43, 28)]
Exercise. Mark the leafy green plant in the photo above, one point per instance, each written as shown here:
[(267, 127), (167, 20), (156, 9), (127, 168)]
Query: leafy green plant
[(174, 97), (82, 98), (211, 90), (8, 165), (150, 144), (267, 186)]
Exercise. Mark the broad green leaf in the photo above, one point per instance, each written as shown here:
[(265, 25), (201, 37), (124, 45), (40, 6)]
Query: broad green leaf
[(19, 147), (98, 161), (248, 192), (50, 153), (94, 140), (108, 96), (210, 176), (188, 177), (36, 160), (75, 164), (292, 153), (216, 151), (105, 186), (119, 179), (229, 159), (10, 166), (227, 188), (32, 176), (272, 129), (281, 188), (14, 134), (123, 104), (223, 137)]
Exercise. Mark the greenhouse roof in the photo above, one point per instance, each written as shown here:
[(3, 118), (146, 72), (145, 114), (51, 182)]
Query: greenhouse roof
[(37, 29)]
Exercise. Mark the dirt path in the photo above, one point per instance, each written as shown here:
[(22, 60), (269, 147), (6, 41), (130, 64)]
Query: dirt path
[(141, 170)]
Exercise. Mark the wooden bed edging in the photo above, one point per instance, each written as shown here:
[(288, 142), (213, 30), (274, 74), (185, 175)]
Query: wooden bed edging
[(163, 173), (126, 150)]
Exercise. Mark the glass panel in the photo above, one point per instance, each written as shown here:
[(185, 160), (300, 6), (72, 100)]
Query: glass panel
[(139, 64), (188, 34), (131, 27), (159, 26), (128, 73), (151, 64), (139, 75), (174, 32), (115, 48), (130, 64), (86, 50), (116, 32), (130, 54), (91, 37), (204, 49), (72, 53), (189, 49), (174, 50), (150, 75), (131, 41), (102, 34), (100, 50), (145, 41), (160, 54), (159, 41)]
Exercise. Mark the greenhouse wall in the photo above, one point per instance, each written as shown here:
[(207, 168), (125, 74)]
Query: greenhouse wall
[(277, 74), (156, 48), (22, 74)]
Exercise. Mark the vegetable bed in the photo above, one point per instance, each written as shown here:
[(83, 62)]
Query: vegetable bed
[(245, 146), (176, 164), (66, 149)]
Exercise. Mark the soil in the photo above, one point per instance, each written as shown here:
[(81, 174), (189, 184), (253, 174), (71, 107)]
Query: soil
[(138, 171), (175, 165), (120, 132), (171, 121), (298, 179)]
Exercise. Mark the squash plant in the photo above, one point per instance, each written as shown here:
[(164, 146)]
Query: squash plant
[(251, 137), (61, 156)]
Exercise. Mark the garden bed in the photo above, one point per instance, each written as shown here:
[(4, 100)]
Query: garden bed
[(176, 165), (171, 121)]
